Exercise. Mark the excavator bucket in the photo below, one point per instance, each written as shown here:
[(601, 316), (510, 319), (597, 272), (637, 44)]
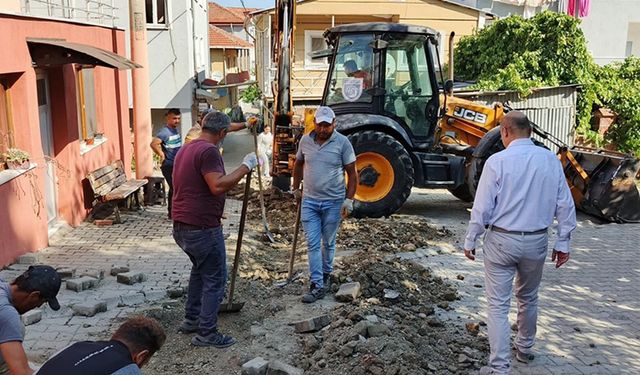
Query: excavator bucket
[(603, 183)]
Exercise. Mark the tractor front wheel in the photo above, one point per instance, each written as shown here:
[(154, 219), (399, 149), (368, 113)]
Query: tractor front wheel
[(385, 174)]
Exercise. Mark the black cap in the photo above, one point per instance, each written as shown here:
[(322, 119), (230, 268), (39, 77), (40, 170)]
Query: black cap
[(43, 279)]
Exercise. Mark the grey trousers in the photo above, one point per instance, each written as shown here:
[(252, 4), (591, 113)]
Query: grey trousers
[(506, 256)]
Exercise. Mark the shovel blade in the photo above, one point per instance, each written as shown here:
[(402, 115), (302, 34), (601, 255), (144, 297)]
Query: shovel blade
[(232, 307)]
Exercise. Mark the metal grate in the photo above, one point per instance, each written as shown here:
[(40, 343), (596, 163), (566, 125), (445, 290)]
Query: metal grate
[(102, 12)]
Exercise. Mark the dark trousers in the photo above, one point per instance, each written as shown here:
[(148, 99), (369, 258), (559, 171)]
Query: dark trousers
[(206, 249), (167, 172)]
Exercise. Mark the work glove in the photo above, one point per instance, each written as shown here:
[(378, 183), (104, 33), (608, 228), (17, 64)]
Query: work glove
[(347, 208), (250, 161), (297, 194), (252, 121)]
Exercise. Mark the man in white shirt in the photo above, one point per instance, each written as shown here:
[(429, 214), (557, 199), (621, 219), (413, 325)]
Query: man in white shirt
[(520, 192), (265, 145)]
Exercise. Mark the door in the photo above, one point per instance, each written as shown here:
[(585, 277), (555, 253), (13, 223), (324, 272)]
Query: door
[(46, 137)]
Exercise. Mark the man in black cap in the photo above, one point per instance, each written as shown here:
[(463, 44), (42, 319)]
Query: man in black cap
[(37, 285)]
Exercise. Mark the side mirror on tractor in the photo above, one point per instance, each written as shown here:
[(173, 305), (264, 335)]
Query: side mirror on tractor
[(448, 87)]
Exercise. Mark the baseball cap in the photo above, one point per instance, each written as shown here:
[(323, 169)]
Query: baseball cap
[(43, 279), (324, 114)]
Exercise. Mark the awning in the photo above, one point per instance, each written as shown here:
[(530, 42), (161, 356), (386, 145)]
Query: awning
[(53, 52)]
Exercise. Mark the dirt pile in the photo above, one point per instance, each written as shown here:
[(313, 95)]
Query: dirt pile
[(392, 328)]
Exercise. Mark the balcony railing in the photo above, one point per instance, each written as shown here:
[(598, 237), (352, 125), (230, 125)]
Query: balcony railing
[(102, 12)]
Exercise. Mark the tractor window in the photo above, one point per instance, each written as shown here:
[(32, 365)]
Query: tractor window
[(352, 76), (407, 85)]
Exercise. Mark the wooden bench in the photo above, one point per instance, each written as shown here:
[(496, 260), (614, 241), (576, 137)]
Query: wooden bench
[(110, 185)]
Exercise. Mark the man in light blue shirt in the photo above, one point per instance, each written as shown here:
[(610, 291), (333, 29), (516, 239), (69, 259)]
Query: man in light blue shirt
[(520, 192), (323, 158)]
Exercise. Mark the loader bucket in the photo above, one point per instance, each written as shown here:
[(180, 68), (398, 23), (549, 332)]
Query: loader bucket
[(603, 183)]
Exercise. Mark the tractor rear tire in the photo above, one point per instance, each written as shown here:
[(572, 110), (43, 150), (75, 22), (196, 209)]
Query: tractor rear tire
[(462, 192), (381, 147)]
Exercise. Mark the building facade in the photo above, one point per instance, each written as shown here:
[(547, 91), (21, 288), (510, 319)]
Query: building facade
[(63, 100)]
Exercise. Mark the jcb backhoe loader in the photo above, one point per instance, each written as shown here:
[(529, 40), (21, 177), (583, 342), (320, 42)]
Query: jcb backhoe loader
[(382, 85)]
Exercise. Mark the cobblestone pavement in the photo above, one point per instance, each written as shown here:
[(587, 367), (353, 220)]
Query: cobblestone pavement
[(589, 317), (143, 243)]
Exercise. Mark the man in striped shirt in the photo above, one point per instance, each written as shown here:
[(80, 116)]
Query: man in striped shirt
[(166, 145)]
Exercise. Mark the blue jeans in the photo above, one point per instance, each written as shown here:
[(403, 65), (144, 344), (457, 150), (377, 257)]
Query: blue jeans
[(206, 249), (321, 220)]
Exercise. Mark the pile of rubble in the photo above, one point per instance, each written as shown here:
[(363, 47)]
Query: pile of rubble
[(392, 327)]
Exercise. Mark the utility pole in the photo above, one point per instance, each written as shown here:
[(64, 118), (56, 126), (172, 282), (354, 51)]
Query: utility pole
[(142, 126)]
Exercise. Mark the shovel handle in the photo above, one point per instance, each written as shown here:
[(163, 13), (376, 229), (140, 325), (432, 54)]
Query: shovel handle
[(292, 257), (236, 259)]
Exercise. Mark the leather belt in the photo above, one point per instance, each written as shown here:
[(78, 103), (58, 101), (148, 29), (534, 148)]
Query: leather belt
[(520, 233), (184, 226)]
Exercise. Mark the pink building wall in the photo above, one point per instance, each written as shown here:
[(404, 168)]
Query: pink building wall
[(23, 217)]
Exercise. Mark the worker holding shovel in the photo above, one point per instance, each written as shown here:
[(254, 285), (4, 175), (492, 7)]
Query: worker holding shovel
[(200, 184)]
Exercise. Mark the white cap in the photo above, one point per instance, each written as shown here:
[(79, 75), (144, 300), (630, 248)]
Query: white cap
[(324, 114)]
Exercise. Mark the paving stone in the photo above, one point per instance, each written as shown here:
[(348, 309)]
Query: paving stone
[(89, 308), (155, 295), (256, 366), (313, 324), (280, 368), (82, 283), (31, 317), (348, 292), (95, 273), (131, 299), (66, 273), (118, 269), (29, 258), (131, 277)]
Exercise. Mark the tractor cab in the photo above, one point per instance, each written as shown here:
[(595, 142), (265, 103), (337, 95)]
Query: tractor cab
[(386, 70), (383, 88)]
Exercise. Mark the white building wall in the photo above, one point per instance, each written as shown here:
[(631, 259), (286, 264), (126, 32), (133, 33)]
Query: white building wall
[(608, 30), (177, 52)]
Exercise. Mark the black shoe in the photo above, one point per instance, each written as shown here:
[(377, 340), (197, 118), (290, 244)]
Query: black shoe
[(326, 281), (215, 339), (315, 293), (188, 326)]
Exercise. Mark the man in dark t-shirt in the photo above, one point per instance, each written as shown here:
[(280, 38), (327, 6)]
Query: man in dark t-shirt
[(200, 184), (129, 349)]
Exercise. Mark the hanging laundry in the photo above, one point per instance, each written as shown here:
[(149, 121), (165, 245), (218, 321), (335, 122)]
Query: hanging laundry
[(563, 5), (584, 8)]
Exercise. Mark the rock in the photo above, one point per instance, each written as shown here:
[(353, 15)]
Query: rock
[(362, 328), (309, 344), (89, 308), (256, 366), (115, 270), (409, 247), (450, 295), (375, 370), (377, 330), (131, 277), (391, 294), (434, 322), (154, 295), (473, 328), (372, 318), (280, 368), (31, 317), (373, 301), (313, 324), (322, 363), (348, 292), (258, 331), (462, 358), (82, 283), (95, 273), (175, 292), (460, 277)]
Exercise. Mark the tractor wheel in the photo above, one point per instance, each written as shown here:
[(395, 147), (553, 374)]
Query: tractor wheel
[(385, 174)]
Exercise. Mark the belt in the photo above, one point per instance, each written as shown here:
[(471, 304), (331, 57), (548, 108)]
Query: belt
[(521, 233), (184, 226)]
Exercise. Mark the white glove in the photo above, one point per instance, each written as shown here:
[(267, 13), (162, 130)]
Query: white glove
[(347, 207), (297, 194), (250, 161)]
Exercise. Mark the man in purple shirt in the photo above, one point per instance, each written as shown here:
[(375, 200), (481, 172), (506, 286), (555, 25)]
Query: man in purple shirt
[(520, 192), (200, 184)]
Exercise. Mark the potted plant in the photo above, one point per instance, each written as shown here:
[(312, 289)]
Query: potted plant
[(17, 158), (98, 135)]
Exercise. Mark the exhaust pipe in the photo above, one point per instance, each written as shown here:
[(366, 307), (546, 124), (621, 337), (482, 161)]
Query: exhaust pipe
[(453, 34)]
